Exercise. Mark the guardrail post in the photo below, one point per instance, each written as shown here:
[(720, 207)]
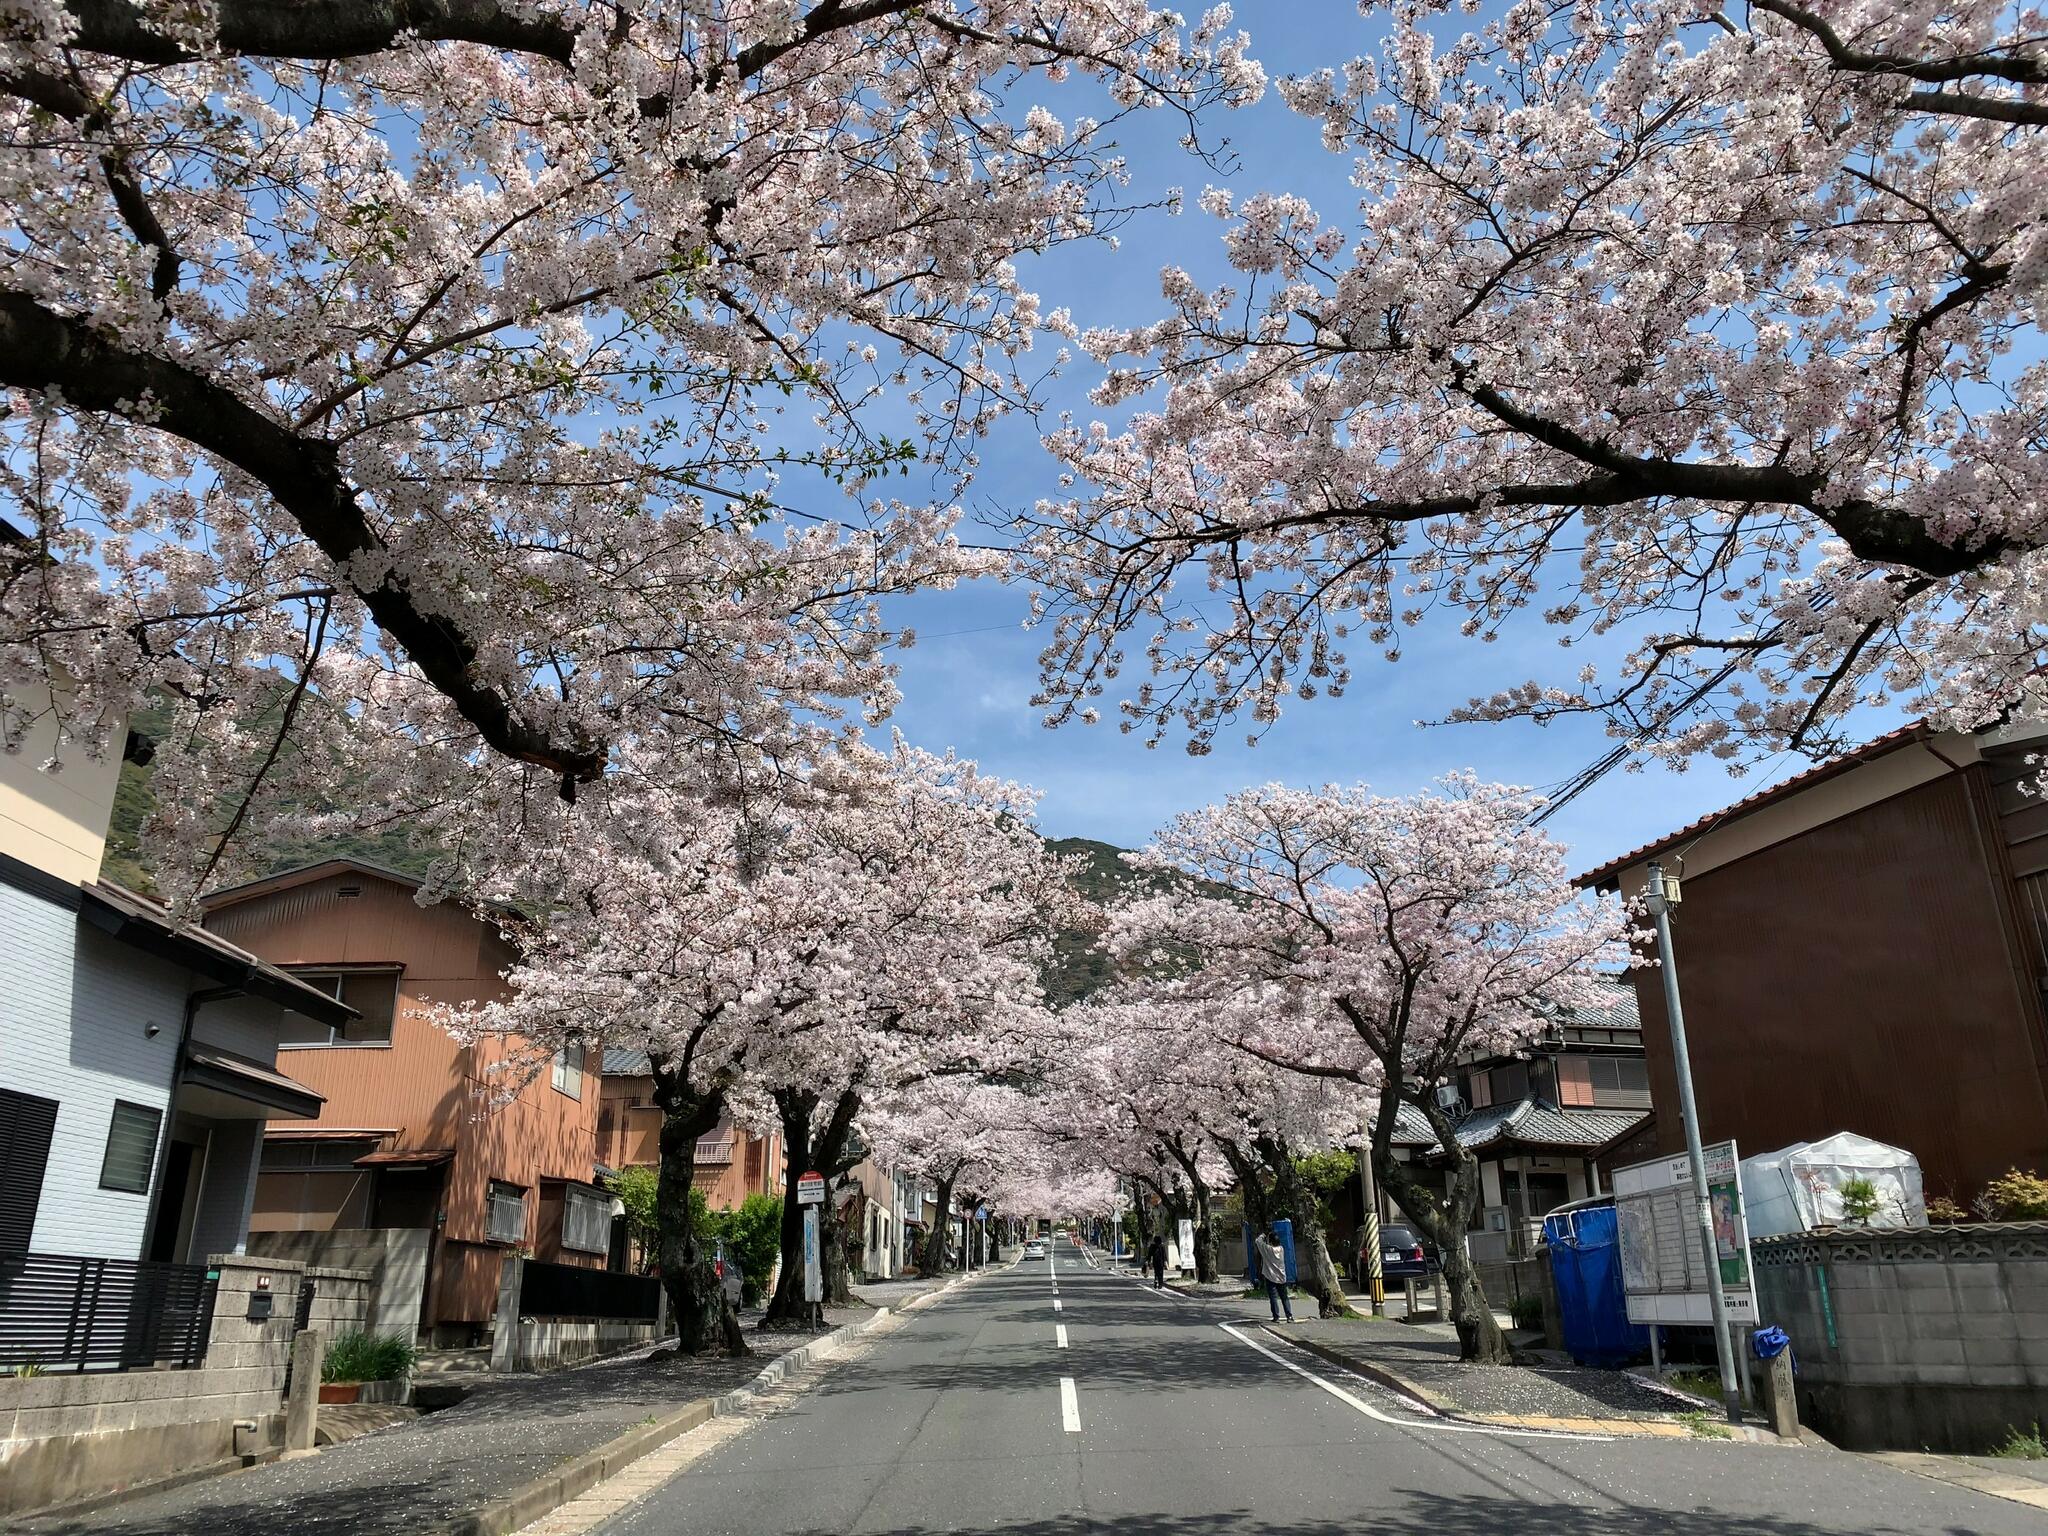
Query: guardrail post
[(302, 1401)]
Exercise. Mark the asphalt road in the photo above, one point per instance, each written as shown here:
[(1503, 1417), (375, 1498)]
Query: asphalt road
[(1151, 1419)]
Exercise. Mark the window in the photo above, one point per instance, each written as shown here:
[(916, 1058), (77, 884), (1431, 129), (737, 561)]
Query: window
[(26, 1125), (297, 1155), (505, 1222), (1621, 1082), (586, 1219), (1510, 1083), (131, 1148), (373, 994), (569, 1069)]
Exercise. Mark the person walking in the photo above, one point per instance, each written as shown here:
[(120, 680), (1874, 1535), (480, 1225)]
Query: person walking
[(1272, 1262), (1156, 1257)]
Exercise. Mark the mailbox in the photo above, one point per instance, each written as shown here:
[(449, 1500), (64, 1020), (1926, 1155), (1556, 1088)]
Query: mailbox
[(259, 1306)]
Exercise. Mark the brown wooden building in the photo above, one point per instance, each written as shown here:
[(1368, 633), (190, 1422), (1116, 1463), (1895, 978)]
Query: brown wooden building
[(1864, 948), (419, 1130), (732, 1163)]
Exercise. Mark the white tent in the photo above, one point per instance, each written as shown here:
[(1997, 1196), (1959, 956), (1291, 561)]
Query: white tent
[(1799, 1187)]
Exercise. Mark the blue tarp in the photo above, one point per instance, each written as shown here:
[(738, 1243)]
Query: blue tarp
[(1585, 1256)]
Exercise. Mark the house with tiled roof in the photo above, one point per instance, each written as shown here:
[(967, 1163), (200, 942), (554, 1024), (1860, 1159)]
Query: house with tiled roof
[(1864, 947), (1538, 1117)]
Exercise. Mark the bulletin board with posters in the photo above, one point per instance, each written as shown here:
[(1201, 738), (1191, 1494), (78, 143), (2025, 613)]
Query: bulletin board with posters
[(1663, 1269)]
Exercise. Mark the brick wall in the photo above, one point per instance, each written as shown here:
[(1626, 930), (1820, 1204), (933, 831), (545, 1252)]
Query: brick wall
[(1927, 1339)]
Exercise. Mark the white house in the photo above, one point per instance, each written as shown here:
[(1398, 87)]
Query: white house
[(137, 1055)]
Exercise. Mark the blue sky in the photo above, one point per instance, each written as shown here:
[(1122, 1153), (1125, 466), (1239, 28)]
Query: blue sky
[(968, 682)]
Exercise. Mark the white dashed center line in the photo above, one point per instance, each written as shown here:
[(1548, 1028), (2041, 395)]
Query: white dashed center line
[(1070, 1406), (1061, 1330)]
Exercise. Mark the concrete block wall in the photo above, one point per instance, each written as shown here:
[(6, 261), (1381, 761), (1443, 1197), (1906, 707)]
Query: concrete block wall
[(341, 1300), (550, 1344), (394, 1258), (1934, 1339), (68, 1436)]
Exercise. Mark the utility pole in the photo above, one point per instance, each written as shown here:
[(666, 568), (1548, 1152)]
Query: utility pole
[(1659, 903), (1375, 1275)]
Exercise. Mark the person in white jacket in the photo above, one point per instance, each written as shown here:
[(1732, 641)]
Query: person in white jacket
[(1272, 1261)]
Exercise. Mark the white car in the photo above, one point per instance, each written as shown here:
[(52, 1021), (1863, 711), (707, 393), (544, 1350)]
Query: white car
[(1037, 1248)]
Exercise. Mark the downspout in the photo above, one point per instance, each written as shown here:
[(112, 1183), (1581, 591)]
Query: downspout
[(193, 1003)]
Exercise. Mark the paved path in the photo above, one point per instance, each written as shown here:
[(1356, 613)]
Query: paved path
[(1157, 1420), (408, 1477)]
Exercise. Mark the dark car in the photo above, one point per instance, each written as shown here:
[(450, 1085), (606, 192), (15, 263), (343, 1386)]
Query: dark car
[(1403, 1254)]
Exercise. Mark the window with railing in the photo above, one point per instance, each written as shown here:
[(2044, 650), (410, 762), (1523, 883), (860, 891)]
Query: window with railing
[(586, 1220), (505, 1217)]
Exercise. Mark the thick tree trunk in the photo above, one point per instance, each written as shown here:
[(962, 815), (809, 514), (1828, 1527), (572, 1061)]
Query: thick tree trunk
[(1251, 1188), (823, 1150), (1205, 1232), (932, 1261), (688, 1270), (1445, 1221), (787, 1307), (1314, 1272), (1198, 1187)]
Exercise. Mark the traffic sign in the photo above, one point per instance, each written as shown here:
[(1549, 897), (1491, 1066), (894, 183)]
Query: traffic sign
[(810, 1189)]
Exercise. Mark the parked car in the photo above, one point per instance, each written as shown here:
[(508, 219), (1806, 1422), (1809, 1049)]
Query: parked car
[(1037, 1248), (1403, 1254)]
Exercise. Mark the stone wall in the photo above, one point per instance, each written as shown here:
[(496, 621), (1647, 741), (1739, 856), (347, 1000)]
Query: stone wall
[(394, 1258), (73, 1435), (1928, 1339)]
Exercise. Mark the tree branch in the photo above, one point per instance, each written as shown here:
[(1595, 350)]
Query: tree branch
[(57, 354)]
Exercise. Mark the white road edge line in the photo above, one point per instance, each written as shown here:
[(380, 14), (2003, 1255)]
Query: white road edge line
[(1387, 1418), (1139, 1281), (1061, 1330), (1070, 1407)]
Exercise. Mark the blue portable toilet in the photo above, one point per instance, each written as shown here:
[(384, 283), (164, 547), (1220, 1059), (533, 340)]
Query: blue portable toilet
[(1285, 1231), (1585, 1256)]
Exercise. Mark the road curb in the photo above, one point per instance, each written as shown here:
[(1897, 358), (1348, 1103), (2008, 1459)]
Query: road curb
[(1393, 1381), (1670, 1428), (544, 1495)]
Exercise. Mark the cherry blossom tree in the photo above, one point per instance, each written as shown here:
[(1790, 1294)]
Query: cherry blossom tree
[(1358, 939), (654, 926), (1700, 329), (415, 379)]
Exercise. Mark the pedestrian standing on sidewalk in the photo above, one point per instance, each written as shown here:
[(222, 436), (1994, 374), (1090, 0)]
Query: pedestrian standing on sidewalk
[(1272, 1261), (1156, 1257)]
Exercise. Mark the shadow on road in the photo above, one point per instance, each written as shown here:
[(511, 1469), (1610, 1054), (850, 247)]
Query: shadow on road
[(1422, 1513)]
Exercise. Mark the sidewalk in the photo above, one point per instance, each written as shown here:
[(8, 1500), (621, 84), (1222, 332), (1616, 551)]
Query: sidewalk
[(509, 1430), (2024, 1482), (1422, 1361)]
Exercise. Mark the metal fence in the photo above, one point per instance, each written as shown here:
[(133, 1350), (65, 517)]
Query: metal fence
[(62, 1310), (563, 1290)]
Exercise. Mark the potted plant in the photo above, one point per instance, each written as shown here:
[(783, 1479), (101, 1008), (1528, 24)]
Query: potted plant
[(357, 1359)]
